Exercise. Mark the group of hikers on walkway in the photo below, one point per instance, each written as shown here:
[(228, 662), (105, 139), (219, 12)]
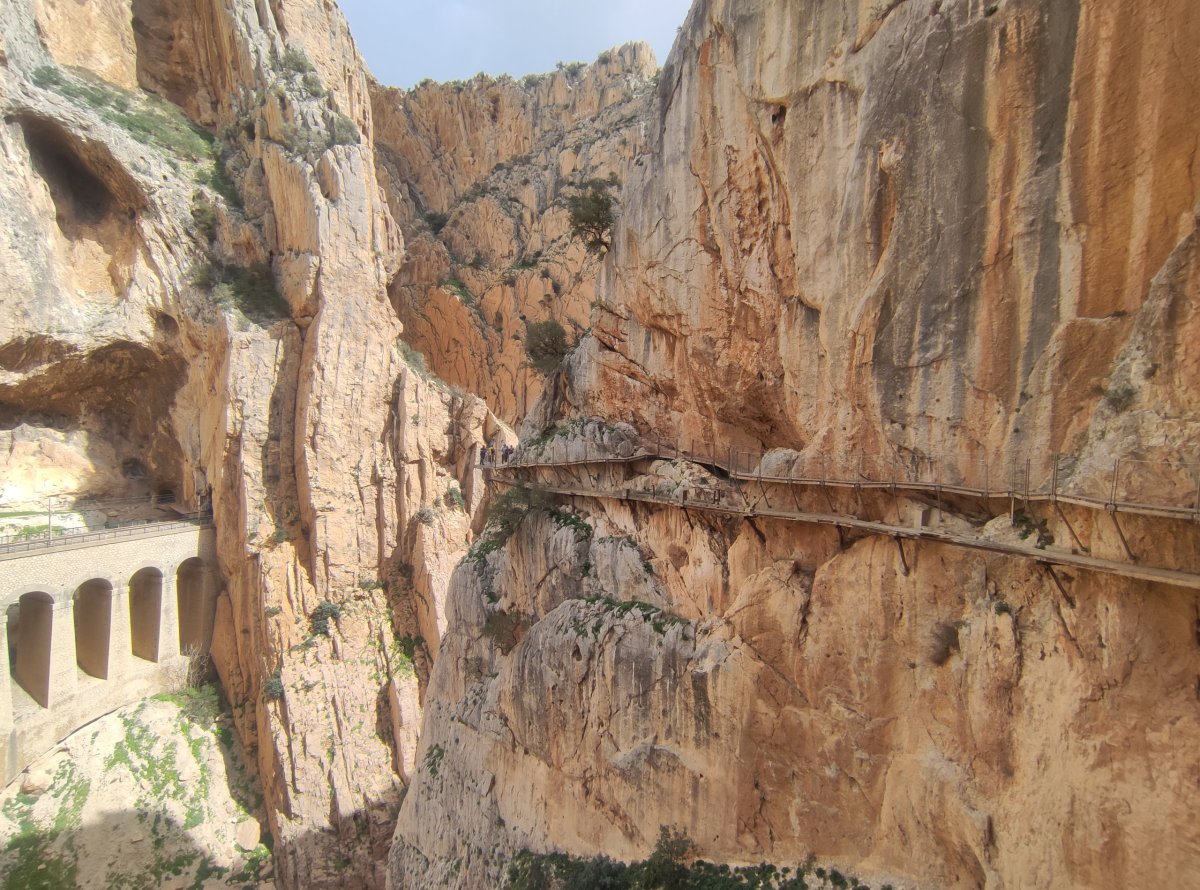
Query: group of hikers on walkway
[(506, 454)]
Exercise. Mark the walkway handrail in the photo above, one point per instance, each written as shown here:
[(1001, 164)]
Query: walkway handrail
[(1015, 487), (131, 529), (717, 500)]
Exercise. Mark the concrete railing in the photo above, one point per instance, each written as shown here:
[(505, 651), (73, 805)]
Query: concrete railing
[(134, 528)]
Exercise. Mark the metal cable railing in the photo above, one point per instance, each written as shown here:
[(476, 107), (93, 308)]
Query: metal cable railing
[(1131, 485), (737, 502)]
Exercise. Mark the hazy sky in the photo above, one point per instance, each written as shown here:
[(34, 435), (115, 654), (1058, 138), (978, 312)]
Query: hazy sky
[(405, 41)]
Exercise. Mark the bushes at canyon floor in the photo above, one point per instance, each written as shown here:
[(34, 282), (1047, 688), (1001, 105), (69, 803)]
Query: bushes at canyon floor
[(666, 868)]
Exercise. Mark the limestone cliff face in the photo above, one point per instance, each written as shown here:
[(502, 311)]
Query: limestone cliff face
[(862, 232), (197, 301), (476, 174), (847, 231), (931, 232)]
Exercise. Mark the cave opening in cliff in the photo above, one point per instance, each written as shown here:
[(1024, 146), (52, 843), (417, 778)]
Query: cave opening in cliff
[(86, 193), (112, 409), (29, 642), (96, 203), (93, 626), (145, 609)]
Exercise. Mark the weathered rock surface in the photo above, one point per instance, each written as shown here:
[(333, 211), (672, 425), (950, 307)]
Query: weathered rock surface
[(953, 231), (851, 232), (205, 310), (476, 174), (920, 231)]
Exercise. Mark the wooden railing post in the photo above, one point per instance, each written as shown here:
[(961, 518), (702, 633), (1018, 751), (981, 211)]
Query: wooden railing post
[(1112, 496)]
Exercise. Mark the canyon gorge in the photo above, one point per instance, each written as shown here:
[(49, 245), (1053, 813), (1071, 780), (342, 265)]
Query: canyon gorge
[(937, 258)]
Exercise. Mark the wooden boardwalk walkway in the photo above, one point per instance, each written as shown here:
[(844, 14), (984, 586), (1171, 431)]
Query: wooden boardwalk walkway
[(1018, 488), (737, 503)]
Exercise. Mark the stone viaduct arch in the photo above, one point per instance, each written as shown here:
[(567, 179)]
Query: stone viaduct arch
[(191, 582), (91, 606), (145, 612), (91, 626), (30, 650)]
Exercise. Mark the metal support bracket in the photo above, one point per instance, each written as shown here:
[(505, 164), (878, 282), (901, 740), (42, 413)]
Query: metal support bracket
[(1049, 570), (1074, 537), (903, 559), (1121, 534)]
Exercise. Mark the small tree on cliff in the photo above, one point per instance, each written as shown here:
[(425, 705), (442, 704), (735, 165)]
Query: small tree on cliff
[(546, 345), (592, 214)]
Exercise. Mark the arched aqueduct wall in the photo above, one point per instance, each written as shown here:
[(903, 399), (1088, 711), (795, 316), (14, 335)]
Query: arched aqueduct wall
[(96, 625)]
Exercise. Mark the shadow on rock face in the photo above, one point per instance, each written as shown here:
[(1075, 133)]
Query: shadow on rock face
[(134, 848)]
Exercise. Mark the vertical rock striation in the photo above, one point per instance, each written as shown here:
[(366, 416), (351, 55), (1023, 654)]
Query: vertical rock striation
[(477, 174), (199, 303), (861, 234)]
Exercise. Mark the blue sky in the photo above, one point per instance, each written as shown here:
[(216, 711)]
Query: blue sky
[(404, 41)]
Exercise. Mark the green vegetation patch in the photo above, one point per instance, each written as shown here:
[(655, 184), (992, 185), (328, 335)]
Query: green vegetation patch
[(546, 345), (148, 119), (294, 61), (171, 796), (454, 498), (414, 358), (30, 861), (433, 759), (458, 288), (574, 427), (30, 532), (404, 654), (659, 619), (563, 519), (152, 760), (591, 211), (321, 616), (505, 513), (403, 665), (529, 262), (1027, 525), (35, 866), (667, 868), (273, 687), (248, 289), (1120, 398)]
